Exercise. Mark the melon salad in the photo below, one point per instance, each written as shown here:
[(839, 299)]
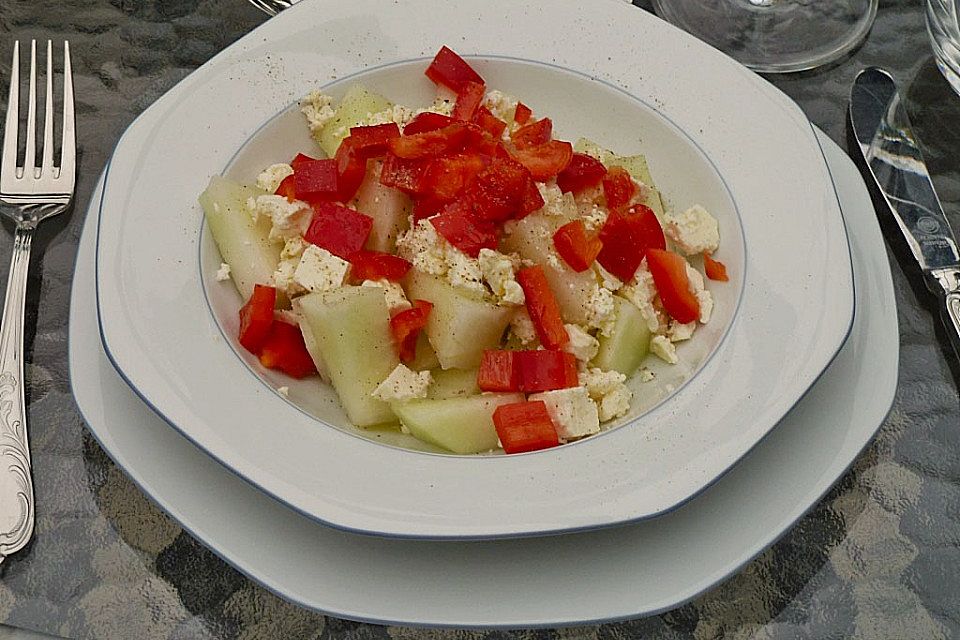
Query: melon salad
[(457, 272)]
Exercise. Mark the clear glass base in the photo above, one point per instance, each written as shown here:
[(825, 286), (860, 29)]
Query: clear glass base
[(775, 36)]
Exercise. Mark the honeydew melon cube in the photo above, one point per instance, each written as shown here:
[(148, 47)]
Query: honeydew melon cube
[(628, 344), (357, 105), (461, 425)]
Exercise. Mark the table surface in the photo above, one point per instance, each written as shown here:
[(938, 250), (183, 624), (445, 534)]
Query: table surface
[(877, 558)]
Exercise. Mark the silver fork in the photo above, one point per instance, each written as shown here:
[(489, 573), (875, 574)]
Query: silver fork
[(28, 195), (272, 7)]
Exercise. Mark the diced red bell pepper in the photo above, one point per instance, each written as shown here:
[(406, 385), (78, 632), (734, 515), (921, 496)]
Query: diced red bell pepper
[(618, 188), (287, 188), (525, 426), (480, 141), (406, 327), (627, 236), (498, 191), (547, 160), (451, 70), (577, 248), (340, 230), (446, 177), (498, 371), (544, 370), (542, 307), (426, 207), (468, 101), (256, 317), (522, 114), (583, 171), (489, 122), (430, 144), (669, 272), (532, 200), (465, 233), (300, 159), (406, 175), (377, 265), (426, 121), (316, 180), (285, 350), (351, 168), (533, 134), (371, 141), (715, 269)]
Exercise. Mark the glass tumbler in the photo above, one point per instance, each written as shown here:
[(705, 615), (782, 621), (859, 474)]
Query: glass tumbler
[(944, 28)]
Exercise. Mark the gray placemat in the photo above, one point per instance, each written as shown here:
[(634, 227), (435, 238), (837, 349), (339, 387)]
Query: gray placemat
[(877, 558)]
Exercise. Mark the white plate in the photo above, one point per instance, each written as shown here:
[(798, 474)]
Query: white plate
[(796, 300), (633, 570)]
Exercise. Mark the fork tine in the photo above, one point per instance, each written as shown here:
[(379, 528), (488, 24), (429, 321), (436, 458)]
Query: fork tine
[(30, 158), (46, 165), (68, 158), (9, 158)]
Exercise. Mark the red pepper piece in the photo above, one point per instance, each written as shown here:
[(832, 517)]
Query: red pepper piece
[(525, 426), (498, 371), (542, 307), (468, 101), (669, 273), (376, 265), (285, 350), (618, 188), (300, 159), (372, 141), (522, 115), (532, 200), (316, 180), (715, 269), (451, 70), (406, 175), (430, 144), (406, 327), (547, 160), (287, 188), (340, 230), (256, 317), (627, 236), (426, 207), (533, 134), (446, 177), (489, 122), (583, 171), (577, 248), (351, 168), (498, 191), (427, 121), (464, 232), (544, 370), (480, 141)]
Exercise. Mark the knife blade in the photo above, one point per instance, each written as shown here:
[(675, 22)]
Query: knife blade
[(885, 137)]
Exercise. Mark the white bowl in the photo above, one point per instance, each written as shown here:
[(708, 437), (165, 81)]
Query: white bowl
[(712, 137)]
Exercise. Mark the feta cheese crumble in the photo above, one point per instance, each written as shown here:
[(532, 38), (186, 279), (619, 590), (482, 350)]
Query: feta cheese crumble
[(499, 273), (582, 345), (601, 312), (696, 285), (501, 105), (572, 411), (397, 113), (642, 291), (608, 390), (320, 270), (693, 231), (289, 219), (271, 177), (392, 292), (521, 327), (664, 349), (607, 280), (678, 332), (430, 253), (402, 385), (316, 107), (223, 273), (284, 391)]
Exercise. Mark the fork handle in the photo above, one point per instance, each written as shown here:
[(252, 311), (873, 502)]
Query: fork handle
[(16, 484)]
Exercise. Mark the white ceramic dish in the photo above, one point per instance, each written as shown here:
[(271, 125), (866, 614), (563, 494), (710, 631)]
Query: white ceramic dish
[(159, 333), (633, 570)]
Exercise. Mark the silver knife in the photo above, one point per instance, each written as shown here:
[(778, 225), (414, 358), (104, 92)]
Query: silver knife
[(886, 140)]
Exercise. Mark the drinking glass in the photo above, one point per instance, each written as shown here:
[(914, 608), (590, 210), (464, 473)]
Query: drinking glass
[(944, 28), (776, 36)]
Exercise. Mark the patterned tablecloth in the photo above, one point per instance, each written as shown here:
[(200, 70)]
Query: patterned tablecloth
[(879, 557)]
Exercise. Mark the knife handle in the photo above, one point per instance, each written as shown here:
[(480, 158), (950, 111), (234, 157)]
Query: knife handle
[(951, 318)]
